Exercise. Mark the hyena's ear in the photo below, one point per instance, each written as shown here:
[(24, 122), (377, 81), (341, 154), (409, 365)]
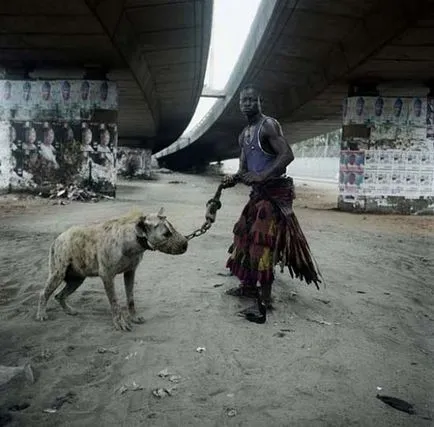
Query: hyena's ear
[(160, 213), (141, 227)]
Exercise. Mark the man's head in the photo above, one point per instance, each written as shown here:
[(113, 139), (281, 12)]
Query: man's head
[(46, 91), (379, 103), (66, 90), (26, 91), (360, 103), (48, 136), (85, 88), (250, 101), (397, 107), (104, 137), (417, 107)]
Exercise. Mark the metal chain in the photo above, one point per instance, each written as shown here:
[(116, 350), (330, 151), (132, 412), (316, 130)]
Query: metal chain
[(212, 207)]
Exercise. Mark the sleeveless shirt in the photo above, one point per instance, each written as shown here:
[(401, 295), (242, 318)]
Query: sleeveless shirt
[(256, 158)]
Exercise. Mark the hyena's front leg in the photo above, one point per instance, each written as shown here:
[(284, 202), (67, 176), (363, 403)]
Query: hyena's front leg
[(129, 291), (119, 320)]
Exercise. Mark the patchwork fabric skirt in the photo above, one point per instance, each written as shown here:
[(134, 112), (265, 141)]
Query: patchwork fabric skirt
[(268, 233)]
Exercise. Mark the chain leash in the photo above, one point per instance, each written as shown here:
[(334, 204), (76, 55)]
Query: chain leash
[(212, 206)]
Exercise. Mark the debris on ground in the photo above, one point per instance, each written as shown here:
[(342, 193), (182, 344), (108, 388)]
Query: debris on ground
[(131, 355), (9, 372), (399, 404), (201, 349), (320, 322), (59, 402), (74, 192), (231, 412), (19, 407), (163, 170), (103, 350), (177, 182), (133, 387), (164, 373), (163, 392)]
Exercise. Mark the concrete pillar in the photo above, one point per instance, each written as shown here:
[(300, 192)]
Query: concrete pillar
[(51, 133), (387, 149), (135, 158)]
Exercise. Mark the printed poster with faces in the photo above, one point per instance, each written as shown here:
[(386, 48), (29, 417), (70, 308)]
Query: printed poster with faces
[(30, 99)]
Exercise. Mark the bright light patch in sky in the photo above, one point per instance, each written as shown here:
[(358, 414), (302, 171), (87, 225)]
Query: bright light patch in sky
[(231, 23)]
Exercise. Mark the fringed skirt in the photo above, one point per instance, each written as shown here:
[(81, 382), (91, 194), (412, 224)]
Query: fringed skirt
[(268, 233)]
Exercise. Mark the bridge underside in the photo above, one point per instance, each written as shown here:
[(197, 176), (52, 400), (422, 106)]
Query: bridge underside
[(155, 51), (311, 54)]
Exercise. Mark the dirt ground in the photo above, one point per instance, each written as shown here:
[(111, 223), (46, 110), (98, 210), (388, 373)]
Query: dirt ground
[(318, 361)]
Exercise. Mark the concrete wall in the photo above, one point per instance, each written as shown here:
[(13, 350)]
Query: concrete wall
[(58, 132), (387, 152), (134, 162)]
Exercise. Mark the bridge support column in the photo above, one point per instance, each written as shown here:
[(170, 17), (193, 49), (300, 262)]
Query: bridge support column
[(57, 131), (387, 149), (135, 158)]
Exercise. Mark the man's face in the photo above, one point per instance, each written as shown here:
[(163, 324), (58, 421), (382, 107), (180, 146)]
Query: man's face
[(13, 134), (49, 137), (46, 92), (87, 136), (65, 91), (352, 159), (352, 178), (359, 106), (32, 136), (84, 91), (397, 107), (105, 138), (249, 102), (378, 107), (26, 91)]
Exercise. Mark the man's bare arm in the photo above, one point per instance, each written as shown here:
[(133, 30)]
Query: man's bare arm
[(242, 168), (272, 133)]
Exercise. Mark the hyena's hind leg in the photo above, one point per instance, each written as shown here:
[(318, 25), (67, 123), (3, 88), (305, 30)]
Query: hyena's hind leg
[(73, 282)]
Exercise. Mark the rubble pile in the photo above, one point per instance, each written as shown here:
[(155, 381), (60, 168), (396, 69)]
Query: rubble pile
[(73, 192)]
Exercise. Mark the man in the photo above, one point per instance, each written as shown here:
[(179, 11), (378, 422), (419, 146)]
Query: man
[(46, 91), (267, 231)]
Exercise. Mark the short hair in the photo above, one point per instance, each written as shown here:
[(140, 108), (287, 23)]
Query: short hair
[(251, 87)]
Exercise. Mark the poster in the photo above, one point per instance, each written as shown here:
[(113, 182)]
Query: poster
[(55, 99)]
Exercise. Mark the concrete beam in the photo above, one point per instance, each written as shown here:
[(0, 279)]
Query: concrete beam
[(116, 25)]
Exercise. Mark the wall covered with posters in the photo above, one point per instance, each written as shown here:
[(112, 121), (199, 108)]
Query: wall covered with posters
[(58, 132), (387, 153)]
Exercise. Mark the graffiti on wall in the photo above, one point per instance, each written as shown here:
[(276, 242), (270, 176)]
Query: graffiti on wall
[(395, 158), (51, 143)]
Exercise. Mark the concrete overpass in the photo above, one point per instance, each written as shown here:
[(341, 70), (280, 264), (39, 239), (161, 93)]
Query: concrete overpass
[(306, 56), (156, 51)]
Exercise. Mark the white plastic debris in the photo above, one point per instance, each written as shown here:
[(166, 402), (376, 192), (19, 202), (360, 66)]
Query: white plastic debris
[(231, 412), (201, 349), (164, 373)]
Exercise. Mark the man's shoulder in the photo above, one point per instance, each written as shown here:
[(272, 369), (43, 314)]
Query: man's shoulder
[(272, 123)]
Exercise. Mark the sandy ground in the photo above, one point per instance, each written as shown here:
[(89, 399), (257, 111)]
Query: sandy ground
[(316, 362)]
